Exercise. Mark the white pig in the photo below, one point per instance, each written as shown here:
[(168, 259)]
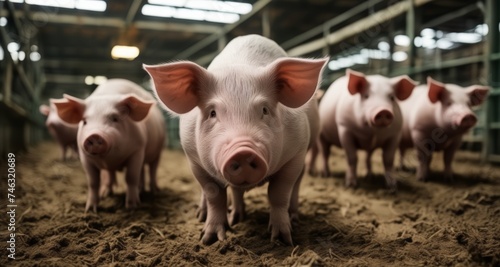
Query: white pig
[(64, 133), (245, 120), (361, 112), (435, 118), (119, 127)]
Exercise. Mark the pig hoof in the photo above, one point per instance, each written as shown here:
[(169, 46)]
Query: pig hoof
[(132, 203), (449, 177), (312, 172), (212, 233), (201, 214), (283, 233), (294, 219), (351, 183), (236, 217), (105, 191)]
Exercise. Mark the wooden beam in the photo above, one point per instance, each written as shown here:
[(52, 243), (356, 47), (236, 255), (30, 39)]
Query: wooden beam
[(355, 28)]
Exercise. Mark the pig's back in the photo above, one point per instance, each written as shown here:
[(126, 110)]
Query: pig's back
[(121, 86), (253, 50)]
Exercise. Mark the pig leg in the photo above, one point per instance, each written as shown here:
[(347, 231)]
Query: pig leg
[(279, 193), (311, 159), (153, 167), (215, 197), (348, 143), (368, 159), (142, 180), (133, 178), (424, 159), (238, 206), (448, 155), (201, 212), (388, 155), (94, 181), (63, 152), (293, 210), (108, 179), (325, 151)]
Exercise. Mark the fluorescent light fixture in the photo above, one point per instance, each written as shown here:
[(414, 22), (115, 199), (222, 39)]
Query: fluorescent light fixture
[(34, 48), (179, 3), (13, 47), (384, 46), (208, 10), (126, 52), (464, 37), (428, 43), (21, 55), (192, 14), (100, 80), (1, 53), (3, 21), (35, 56), (158, 11), (427, 32), (418, 41), (444, 43), (402, 40), (223, 6), (482, 29), (399, 56), (14, 1), (14, 56), (91, 5), (221, 17), (89, 80)]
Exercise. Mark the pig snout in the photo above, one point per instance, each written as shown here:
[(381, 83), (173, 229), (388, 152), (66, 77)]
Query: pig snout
[(243, 164), (95, 145), (382, 118), (466, 121)]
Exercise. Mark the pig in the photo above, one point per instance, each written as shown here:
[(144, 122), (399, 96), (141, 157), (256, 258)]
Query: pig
[(245, 120), (361, 112), (64, 133), (119, 126), (436, 117)]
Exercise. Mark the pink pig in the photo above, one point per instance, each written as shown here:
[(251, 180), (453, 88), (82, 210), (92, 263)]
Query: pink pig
[(245, 120), (64, 133), (361, 112), (435, 118), (119, 127)]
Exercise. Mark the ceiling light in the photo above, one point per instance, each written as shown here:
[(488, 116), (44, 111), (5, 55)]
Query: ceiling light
[(100, 80), (91, 5), (464, 37), (13, 47), (402, 40), (21, 55), (384, 46), (444, 43), (35, 56), (54, 3), (1, 53), (126, 52), (89, 80), (223, 6), (427, 32), (179, 3), (192, 14), (399, 56), (158, 11), (221, 17), (3, 21)]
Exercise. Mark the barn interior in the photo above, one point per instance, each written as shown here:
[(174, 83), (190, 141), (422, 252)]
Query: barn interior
[(53, 47)]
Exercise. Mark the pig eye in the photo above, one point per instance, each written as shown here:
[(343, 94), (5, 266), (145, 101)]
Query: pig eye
[(448, 103), (114, 118), (366, 96), (265, 111), (213, 114), (84, 121), (391, 97)]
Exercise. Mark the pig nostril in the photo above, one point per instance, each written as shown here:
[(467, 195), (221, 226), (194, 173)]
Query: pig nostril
[(253, 165), (234, 166)]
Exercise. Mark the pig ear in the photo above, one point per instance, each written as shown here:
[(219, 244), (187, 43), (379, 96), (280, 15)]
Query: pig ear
[(177, 84), (403, 86), (136, 108), (477, 94), (297, 79), (356, 82), (70, 109), (44, 109), (436, 90)]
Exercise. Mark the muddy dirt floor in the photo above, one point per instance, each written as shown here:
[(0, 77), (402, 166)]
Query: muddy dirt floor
[(425, 224)]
